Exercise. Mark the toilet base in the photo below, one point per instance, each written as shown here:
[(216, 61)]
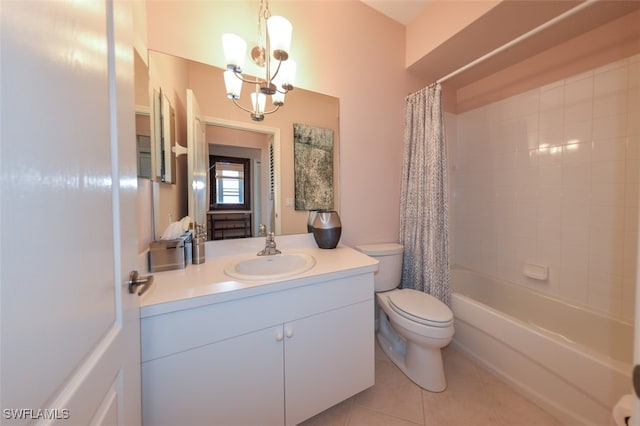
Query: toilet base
[(421, 364)]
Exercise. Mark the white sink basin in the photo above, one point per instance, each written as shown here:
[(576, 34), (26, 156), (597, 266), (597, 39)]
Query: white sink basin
[(269, 267)]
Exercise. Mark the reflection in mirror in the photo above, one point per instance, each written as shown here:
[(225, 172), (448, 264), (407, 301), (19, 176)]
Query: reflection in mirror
[(143, 144), (229, 184), (155, 128), (276, 160), (165, 130), (256, 149), (143, 117)]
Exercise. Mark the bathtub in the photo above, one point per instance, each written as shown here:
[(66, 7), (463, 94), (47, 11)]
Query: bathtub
[(573, 362)]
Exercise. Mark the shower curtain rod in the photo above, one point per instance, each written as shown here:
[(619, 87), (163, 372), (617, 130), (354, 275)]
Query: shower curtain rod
[(517, 40)]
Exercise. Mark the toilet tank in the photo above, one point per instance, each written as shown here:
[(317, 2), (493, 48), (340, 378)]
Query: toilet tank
[(390, 268)]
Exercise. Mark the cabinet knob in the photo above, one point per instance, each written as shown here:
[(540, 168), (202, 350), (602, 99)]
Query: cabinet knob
[(289, 332), (279, 336)]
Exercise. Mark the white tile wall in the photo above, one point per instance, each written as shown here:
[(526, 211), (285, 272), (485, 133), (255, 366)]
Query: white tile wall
[(551, 176)]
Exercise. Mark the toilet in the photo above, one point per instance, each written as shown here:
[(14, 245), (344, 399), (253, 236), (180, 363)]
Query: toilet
[(413, 326)]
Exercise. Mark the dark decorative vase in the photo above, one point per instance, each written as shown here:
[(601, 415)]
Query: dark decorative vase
[(327, 229)]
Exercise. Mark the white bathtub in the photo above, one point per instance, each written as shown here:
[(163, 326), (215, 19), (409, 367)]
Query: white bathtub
[(573, 362)]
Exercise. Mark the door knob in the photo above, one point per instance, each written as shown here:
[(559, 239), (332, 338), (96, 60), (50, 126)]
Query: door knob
[(136, 281)]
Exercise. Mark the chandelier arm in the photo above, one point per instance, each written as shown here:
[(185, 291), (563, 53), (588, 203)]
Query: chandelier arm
[(251, 112), (237, 74), (271, 77), (241, 107), (284, 92), (272, 111)]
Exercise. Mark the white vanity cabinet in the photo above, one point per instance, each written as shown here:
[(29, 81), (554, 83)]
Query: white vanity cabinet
[(235, 381), (271, 359)]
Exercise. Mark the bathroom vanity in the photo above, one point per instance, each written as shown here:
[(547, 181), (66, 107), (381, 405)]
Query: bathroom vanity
[(219, 350)]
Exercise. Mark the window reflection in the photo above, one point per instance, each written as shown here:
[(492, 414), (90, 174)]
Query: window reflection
[(229, 183)]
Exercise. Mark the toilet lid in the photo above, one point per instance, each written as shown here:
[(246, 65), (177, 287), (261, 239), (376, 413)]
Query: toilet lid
[(420, 307)]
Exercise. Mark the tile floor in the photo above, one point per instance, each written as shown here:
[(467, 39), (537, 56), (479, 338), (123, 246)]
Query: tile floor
[(473, 397)]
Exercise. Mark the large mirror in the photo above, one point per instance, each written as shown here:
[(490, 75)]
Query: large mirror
[(266, 149)]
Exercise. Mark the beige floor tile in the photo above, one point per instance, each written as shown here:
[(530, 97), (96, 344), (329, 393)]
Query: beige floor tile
[(516, 410), (338, 415), (453, 411), (473, 396), (459, 367), (463, 403), (393, 394), (362, 416)]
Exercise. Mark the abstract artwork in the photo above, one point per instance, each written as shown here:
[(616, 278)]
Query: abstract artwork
[(313, 164)]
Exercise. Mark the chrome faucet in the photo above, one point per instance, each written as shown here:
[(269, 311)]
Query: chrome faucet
[(269, 246)]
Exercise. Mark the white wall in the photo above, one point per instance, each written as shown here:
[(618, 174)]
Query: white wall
[(551, 177)]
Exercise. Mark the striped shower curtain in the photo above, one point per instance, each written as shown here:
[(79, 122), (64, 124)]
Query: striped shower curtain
[(424, 217)]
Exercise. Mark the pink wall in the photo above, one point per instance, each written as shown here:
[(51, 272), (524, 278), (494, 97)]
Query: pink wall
[(344, 49)]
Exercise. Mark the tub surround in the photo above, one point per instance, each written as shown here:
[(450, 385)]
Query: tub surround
[(213, 346), (551, 176)]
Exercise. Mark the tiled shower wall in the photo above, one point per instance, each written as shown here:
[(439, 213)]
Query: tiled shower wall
[(551, 177)]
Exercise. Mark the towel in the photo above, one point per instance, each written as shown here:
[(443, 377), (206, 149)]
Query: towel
[(176, 229)]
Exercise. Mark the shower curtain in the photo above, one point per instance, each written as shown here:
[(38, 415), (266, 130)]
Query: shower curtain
[(424, 218)]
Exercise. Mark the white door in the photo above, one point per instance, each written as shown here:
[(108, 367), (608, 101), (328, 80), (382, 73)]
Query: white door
[(70, 350), (196, 161)]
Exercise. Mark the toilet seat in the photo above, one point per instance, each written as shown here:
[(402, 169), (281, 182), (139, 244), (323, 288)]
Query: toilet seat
[(420, 307)]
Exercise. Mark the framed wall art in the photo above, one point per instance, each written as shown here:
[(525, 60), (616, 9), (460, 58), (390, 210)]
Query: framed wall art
[(313, 165)]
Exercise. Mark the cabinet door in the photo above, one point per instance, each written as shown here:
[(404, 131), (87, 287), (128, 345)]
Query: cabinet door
[(236, 381), (329, 357)]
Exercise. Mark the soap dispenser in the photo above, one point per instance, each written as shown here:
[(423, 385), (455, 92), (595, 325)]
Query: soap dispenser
[(198, 245)]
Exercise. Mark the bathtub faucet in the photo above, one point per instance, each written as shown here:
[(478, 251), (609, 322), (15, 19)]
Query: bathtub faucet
[(269, 246)]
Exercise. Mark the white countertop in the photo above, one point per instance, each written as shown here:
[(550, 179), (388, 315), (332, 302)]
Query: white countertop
[(204, 284)]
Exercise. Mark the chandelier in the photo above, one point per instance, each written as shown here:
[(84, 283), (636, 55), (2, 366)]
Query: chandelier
[(271, 53)]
